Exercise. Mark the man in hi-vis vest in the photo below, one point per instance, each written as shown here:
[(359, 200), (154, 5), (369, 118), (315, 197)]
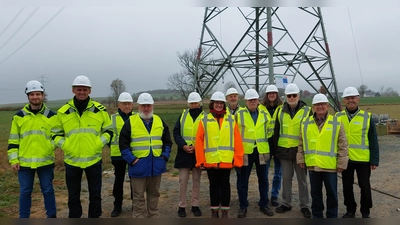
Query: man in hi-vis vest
[(125, 107), (255, 128), (82, 130), (286, 137), (145, 144), (363, 153), (31, 151), (323, 150)]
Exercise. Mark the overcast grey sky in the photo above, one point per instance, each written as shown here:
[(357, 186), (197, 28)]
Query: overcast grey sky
[(139, 44)]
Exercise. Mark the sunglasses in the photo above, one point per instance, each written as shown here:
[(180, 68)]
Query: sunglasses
[(292, 96)]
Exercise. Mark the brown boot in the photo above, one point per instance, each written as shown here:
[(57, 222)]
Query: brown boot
[(214, 213), (224, 213)]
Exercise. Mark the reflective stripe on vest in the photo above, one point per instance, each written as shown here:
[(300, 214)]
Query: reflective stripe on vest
[(357, 135), (189, 127), (251, 134), (218, 142), (320, 147), (289, 133), (142, 141)]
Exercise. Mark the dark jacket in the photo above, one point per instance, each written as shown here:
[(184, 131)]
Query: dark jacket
[(184, 159), (281, 152), (149, 165)]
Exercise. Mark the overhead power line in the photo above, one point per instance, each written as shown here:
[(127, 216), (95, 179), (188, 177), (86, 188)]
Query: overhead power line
[(40, 29), (20, 27), (9, 24)]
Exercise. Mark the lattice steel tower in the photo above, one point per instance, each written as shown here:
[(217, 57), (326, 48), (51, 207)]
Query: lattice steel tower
[(261, 44)]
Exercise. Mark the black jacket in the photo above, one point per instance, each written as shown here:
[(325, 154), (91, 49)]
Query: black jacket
[(281, 152), (184, 159)]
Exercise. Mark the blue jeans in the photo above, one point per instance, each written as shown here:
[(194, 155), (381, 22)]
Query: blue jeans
[(262, 181), (277, 180), (26, 177), (73, 178), (329, 180)]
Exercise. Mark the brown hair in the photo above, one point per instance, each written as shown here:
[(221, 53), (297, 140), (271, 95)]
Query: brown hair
[(266, 102), (211, 104)]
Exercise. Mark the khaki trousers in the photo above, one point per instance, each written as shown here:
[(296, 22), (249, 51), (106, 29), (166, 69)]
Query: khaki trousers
[(184, 174), (150, 186)]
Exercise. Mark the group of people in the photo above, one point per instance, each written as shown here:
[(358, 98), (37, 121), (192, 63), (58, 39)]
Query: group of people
[(299, 139), (295, 137)]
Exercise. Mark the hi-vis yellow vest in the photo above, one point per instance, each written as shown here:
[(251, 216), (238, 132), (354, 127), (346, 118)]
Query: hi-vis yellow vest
[(357, 135), (254, 135), (142, 140), (117, 124), (29, 143), (82, 138), (189, 127), (273, 117), (289, 133), (218, 143), (320, 148)]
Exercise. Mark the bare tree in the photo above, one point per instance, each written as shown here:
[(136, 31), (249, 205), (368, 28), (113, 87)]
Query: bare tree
[(117, 87), (389, 92), (362, 89), (184, 81), (229, 84)]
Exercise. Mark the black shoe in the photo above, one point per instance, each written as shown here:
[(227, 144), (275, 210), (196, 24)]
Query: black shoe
[(283, 209), (196, 211), (306, 212), (274, 201), (365, 215), (267, 211), (242, 213), (349, 215), (116, 212), (181, 212)]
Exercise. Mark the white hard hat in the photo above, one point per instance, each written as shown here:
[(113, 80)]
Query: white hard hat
[(33, 85), (218, 96), (81, 81), (292, 89), (125, 97), (251, 94), (319, 98), (145, 98), (194, 97), (271, 88), (231, 91), (350, 91)]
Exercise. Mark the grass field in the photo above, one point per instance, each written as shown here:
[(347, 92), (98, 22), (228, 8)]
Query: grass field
[(168, 111)]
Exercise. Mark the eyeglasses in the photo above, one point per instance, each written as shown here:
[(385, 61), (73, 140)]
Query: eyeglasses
[(292, 96), (219, 103)]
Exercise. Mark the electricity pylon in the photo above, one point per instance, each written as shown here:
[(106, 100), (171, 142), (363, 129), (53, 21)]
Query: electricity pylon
[(260, 46)]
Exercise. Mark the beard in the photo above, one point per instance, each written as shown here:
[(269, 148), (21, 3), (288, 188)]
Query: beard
[(144, 116)]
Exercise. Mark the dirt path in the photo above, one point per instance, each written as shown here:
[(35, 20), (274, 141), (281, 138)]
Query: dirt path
[(384, 181)]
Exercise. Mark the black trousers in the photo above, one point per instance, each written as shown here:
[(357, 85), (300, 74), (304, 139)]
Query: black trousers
[(220, 187), (118, 188), (73, 178), (363, 171)]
